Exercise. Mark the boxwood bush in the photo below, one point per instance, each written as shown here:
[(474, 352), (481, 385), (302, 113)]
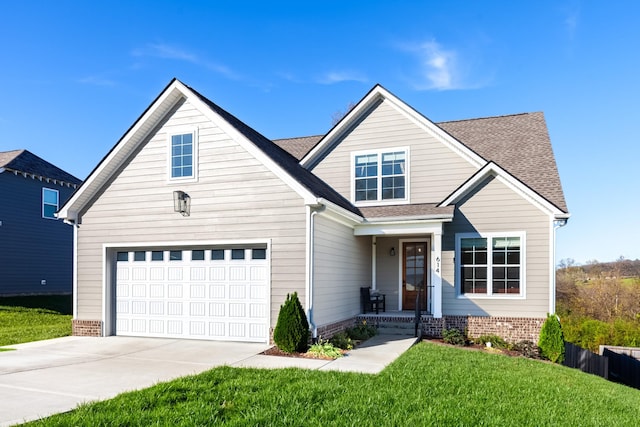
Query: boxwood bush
[(292, 328)]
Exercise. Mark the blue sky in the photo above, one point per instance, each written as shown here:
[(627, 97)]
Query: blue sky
[(78, 74)]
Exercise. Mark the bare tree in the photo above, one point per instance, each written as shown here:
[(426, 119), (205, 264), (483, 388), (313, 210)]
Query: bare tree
[(338, 115)]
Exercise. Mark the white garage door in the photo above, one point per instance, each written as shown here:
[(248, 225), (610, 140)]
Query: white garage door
[(214, 294)]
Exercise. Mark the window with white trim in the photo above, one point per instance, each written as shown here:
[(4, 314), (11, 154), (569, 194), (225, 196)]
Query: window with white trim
[(490, 264), (182, 156), (50, 199), (380, 176)]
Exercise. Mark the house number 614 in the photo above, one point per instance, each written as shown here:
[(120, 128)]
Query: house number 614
[(438, 265)]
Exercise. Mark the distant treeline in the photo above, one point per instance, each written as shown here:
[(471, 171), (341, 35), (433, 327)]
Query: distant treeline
[(620, 268)]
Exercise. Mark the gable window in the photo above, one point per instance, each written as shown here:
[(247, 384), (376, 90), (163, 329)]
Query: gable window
[(380, 176), (490, 264), (50, 200), (183, 148)]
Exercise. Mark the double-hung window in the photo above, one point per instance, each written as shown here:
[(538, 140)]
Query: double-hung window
[(380, 176), (50, 199), (490, 264), (183, 156)]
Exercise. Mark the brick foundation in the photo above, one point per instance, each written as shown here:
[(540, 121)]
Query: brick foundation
[(327, 331), (86, 328), (511, 329)]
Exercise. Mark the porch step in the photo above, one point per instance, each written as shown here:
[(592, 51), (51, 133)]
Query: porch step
[(396, 328)]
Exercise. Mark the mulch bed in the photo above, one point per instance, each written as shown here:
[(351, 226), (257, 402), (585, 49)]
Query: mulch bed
[(275, 351), (479, 347)]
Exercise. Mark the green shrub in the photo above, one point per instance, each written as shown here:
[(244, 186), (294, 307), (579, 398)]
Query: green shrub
[(292, 328), (361, 332), (324, 349), (454, 336), (590, 333), (495, 340), (342, 340), (551, 340)]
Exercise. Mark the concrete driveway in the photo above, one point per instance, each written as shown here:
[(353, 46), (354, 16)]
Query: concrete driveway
[(48, 377)]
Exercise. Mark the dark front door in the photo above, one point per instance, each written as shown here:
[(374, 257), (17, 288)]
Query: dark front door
[(414, 275)]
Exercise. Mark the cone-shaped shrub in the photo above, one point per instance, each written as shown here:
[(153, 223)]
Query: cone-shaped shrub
[(551, 342), (292, 329)]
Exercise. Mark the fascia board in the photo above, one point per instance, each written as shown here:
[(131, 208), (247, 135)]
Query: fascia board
[(345, 123), (510, 181), (394, 219), (339, 214), (122, 150), (398, 228), (302, 191), (380, 93), (423, 122)]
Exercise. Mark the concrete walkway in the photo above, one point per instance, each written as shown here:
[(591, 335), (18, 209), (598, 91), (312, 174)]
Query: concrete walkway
[(47, 377)]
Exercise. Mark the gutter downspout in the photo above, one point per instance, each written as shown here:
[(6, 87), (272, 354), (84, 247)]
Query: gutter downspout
[(75, 270), (311, 276), (552, 300)]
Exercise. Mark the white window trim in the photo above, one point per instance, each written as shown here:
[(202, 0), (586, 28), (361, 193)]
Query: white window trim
[(195, 138), (380, 201), (57, 202), (490, 294)]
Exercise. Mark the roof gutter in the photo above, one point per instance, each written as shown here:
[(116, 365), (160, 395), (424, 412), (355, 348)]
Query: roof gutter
[(411, 218), (340, 211)]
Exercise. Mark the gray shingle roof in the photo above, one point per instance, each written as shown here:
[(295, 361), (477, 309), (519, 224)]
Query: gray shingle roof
[(518, 143), (24, 161), (419, 210), (298, 147)]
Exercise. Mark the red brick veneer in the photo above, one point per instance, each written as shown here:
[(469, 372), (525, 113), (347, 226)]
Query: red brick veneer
[(87, 328), (512, 329)]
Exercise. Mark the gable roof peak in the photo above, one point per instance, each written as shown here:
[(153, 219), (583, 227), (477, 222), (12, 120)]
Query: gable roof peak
[(25, 162)]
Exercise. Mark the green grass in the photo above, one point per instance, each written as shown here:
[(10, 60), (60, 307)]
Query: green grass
[(26, 319), (428, 385)]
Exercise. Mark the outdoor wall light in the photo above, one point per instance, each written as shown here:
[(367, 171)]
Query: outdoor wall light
[(392, 252), (181, 202)]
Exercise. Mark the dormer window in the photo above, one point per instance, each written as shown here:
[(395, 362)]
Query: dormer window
[(380, 176)]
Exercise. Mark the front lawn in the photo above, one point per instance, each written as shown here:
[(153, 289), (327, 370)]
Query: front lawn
[(26, 319), (428, 385)]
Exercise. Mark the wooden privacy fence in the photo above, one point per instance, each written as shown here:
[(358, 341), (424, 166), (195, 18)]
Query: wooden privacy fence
[(619, 364), (624, 364), (586, 361)]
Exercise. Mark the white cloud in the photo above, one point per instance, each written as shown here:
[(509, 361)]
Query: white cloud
[(341, 76), (171, 52), (571, 22), (438, 68)]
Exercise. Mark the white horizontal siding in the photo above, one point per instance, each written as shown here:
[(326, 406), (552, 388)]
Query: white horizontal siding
[(342, 265), (235, 198), (494, 207), (436, 170)]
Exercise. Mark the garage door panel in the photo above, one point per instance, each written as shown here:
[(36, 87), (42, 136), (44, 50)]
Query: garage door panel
[(217, 291), (237, 291), (198, 274), (224, 296)]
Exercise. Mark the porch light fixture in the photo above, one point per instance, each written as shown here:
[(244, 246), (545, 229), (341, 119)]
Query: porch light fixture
[(181, 202), (392, 252)]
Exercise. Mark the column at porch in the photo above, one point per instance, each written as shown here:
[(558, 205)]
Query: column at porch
[(436, 273)]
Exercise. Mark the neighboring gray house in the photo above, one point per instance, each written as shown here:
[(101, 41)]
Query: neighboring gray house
[(36, 249), (195, 225)]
